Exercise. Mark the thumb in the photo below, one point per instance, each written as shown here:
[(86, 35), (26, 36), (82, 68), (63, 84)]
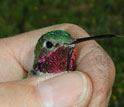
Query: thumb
[(64, 90)]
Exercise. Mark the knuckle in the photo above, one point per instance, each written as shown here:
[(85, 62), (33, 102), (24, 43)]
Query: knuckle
[(70, 25)]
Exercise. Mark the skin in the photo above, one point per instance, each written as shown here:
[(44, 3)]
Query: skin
[(91, 87)]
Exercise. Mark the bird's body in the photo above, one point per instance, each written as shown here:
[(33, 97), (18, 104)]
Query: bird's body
[(52, 54)]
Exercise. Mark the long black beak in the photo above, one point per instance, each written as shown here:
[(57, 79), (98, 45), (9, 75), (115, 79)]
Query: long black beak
[(95, 37)]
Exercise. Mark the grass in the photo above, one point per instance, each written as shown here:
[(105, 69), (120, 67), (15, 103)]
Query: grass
[(96, 17)]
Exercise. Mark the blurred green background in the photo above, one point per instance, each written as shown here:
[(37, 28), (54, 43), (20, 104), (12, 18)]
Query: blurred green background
[(95, 16)]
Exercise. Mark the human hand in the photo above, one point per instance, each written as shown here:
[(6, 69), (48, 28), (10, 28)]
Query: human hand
[(91, 87)]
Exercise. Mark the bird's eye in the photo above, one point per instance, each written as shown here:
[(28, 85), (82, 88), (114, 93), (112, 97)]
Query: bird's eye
[(49, 44)]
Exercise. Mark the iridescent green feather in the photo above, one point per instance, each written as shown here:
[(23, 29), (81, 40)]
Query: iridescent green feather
[(58, 35)]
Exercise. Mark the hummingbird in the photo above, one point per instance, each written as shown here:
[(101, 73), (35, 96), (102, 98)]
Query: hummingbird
[(55, 52)]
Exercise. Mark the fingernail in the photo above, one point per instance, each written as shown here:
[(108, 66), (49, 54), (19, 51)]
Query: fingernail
[(86, 94), (63, 90)]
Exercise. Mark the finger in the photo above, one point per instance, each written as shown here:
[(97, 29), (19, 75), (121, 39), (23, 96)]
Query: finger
[(48, 92), (93, 60), (17, 53)]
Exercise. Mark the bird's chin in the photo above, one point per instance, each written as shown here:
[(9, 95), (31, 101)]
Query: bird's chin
[(69, 45)]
